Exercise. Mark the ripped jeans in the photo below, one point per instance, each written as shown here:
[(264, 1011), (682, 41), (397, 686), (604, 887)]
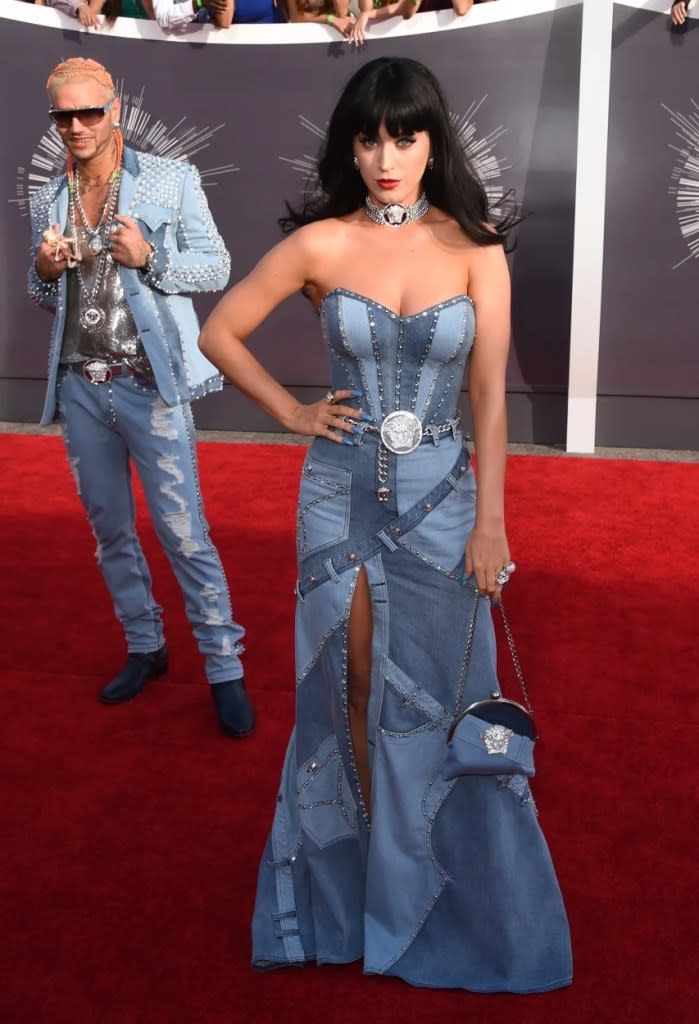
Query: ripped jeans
[(105, 427)]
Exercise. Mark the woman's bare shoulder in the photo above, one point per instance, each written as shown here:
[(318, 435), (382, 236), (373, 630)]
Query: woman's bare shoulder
[(449, 232), (321, 234)]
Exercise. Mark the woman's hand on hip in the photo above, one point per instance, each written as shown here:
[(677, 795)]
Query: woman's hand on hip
[(329, 417)]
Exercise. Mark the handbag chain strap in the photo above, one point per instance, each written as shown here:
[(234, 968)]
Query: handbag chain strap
[(510, 643), (515, 658)]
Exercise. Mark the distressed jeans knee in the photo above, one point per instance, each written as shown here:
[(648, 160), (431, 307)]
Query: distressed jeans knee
[(169, 473), (106, 428)]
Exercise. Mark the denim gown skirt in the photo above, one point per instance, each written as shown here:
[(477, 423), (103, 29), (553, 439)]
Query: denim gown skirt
[(449, 883)]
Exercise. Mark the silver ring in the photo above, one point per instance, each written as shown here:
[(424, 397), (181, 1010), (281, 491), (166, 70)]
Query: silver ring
[(504, 575), (330, 397)]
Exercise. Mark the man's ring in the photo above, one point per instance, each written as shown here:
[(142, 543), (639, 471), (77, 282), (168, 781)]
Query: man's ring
[(503, 576), (330, 397)]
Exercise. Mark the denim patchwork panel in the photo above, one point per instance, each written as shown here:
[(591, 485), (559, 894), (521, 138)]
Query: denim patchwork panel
[(326, 807), (440, 538), (323, 507)]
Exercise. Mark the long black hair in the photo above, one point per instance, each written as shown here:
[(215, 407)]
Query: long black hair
[(403, 95)]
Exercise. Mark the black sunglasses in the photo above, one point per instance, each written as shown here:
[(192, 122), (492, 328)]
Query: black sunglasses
[(88, 116)]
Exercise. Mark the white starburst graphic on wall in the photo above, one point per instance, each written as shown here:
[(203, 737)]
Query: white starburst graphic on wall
[(479, 149), (684, 180), (140, 130), (306, 165)]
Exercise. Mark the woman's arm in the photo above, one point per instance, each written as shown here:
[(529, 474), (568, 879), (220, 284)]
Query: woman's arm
[(281, 273), (223, 17), (368, 12), (341, 22), (487, 551)]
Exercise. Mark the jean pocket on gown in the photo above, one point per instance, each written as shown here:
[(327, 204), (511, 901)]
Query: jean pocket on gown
[(326, 807), (440, 538), (402, 713), (323, 507)]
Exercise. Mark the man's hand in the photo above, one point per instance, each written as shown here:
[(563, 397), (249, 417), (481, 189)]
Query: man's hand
[(126, 243), (54, 255)]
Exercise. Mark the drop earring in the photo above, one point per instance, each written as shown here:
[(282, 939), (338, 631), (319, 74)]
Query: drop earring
[(430, 164), (355, 163)]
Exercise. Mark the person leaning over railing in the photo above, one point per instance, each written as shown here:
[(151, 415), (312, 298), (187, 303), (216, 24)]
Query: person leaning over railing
[(380, 10), (325, 12), (459, 7), (259, 12), (86, 12), (170, 14), (175, 14)]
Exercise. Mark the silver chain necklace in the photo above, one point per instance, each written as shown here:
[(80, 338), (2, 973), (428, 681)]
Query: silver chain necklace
[(395, 215), (92, 316), (96, 243)]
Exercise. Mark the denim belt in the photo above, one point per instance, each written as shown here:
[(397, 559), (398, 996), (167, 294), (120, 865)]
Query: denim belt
[(318, 567), (100, 371)]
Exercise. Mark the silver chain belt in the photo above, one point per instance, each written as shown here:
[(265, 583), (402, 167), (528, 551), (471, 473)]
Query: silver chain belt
[(402, 432)]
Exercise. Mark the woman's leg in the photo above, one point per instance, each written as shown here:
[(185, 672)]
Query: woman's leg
[(359, 680)]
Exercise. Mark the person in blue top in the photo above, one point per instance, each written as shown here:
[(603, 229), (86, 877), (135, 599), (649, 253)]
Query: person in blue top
[(121, 241), (258, 12)]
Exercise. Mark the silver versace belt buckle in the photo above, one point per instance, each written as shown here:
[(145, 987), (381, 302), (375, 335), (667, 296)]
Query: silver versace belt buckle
[(401, 432), (97, 371)]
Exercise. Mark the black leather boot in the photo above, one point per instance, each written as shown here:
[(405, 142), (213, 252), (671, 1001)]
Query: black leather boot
[(236, 714), (135, 674)]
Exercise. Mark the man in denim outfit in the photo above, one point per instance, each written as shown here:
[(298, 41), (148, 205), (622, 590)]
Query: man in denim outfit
[(121, 240)]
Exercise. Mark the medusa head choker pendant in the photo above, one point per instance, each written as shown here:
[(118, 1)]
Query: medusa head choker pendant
[(395, 215)]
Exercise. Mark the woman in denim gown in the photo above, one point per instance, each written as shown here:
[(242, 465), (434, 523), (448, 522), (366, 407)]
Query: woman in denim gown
[(373, 853)]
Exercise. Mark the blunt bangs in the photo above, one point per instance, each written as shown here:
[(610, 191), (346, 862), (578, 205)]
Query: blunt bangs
[(403, 102)]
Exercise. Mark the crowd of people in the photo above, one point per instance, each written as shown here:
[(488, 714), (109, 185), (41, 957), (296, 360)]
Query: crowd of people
[(351, 18)]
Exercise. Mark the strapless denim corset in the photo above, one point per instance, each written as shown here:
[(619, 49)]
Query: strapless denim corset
[(449, 883), (414, 362)]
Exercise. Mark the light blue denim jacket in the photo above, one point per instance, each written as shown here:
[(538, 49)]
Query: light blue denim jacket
[(166, 200)]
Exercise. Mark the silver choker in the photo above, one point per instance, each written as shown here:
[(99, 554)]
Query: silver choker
[(395, 215)]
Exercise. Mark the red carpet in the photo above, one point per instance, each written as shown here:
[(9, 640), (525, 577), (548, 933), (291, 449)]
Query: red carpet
[(130, 836)]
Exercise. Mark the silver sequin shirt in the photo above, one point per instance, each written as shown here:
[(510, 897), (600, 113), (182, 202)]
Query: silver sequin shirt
[(118, 338)]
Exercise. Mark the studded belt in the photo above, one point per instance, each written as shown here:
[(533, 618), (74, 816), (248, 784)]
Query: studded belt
[(100, 371)]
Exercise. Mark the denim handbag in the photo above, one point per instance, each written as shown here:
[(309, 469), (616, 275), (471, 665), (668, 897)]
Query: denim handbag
[(494, 736)]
